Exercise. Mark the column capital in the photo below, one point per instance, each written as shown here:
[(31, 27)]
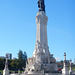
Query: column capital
[(41, 18)]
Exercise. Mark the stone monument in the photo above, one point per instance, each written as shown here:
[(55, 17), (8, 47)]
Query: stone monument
[(41, 61), (6, 70), (70, 70), (65, 70)]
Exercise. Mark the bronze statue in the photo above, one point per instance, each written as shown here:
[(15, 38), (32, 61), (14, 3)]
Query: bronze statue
[(41, 5)]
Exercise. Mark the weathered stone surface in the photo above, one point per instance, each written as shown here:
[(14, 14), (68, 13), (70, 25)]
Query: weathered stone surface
[(6, 70), (65, 70), (41, 61)]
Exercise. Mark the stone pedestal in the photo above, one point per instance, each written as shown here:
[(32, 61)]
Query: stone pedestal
[(6, 71), (65, 70)]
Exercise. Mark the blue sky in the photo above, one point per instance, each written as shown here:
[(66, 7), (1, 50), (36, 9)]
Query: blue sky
[(18, 27)]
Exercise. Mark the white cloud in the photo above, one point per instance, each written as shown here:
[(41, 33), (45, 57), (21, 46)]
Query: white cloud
[(57, 58)]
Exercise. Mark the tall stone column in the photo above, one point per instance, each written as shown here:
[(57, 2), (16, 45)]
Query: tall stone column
[(64, 56), (41, 45), (41, 35)]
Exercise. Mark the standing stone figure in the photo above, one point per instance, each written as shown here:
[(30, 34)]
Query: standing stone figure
[(41, 5), (6, 70), (65, 70)]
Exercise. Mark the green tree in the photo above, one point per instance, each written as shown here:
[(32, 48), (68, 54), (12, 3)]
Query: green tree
[(15, 64), (2, 63), (25, 56), (60, 64), (20, 55)]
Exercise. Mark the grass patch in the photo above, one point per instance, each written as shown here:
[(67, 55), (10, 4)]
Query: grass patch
[(11, 71), (1, 71), (73, 69)]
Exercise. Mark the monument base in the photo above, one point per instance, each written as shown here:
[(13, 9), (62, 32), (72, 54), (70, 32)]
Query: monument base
[(44, 74), (65, 71), (6, 72)]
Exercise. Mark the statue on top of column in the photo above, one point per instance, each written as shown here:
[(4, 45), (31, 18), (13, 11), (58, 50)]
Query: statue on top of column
[(41, 5)]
